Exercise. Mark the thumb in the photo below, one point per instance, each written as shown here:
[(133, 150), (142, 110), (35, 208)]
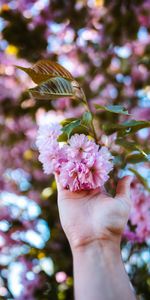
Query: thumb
[(123, 187)]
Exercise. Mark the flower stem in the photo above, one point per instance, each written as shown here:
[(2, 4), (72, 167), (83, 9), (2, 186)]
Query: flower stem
[(92, 125)]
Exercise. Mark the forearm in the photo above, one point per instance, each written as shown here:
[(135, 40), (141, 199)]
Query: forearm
[(99, 274)]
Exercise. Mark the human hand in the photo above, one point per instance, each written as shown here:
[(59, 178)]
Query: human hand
[(91, 216)]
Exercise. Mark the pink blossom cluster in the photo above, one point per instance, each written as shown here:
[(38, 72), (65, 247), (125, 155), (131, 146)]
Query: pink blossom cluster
[(80, 163), (140, 212)]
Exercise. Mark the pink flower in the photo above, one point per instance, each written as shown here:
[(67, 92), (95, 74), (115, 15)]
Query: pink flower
[(71, 174), (61, 277), (52, 158), (50, 152), (80, 164), (141, 113), (140, 212), (49, 158), (47, 134), (80, 147), (86, 174)]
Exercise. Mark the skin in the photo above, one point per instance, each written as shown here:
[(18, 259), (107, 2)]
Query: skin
[(93, 223)]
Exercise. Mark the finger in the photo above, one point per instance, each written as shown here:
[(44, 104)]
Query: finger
[(123, 187), (64, 193), (59, 187)]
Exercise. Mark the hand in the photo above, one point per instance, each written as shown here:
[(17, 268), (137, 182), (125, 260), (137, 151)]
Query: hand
[(94, 222), (90, 216)]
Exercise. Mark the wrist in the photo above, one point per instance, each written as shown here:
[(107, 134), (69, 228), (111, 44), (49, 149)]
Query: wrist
[(106, 249), (99, 265)]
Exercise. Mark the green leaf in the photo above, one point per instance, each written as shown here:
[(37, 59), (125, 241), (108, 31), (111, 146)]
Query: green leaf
[(140, 178), (129, 145), (71, 128), (45, 69), (132, 146), (53, 81), (80, 130), (56, 88), (54, 69), (87, 118), (126, 128), (67, 129), (36, 77), (135, 158), (137, 124), (117, 109), (147, 156), (62, 137), (67, 121), (52, 89)]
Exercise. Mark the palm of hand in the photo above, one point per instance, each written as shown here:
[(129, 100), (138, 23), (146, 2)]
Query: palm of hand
[(90, 216)]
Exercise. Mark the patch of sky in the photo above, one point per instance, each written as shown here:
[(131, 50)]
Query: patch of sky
[(69, 36), (4, 273), (33, 210), (13, 253), (30, 210), (53, 44), (33, 238), (123, 79), (38, 6), (65, 62), (125, 253), (80, 42), (2, 24), (123, 52), (32, 9), (42, 228), (47, 265), (128, 268), (36, 239), (5, 259), (13, 4), (20, 177), (88, 34), (144, 97), (56, 27), (30, 275), (15, 269), (2, 241), (113, 92), (143, 133), (146, 256), (144, 171), (120, 78), (3, 44), (4, 225), (139, 167), (142, 33)]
